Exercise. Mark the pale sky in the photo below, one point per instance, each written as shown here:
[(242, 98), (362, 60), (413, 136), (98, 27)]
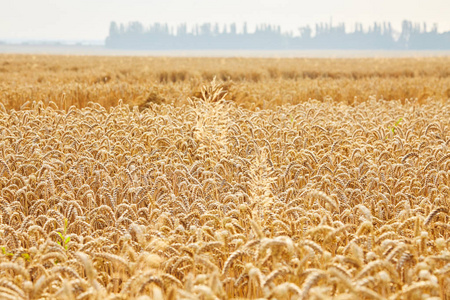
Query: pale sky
[(90, 19)]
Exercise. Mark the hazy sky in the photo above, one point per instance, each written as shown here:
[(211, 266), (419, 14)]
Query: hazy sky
[(89, 19)]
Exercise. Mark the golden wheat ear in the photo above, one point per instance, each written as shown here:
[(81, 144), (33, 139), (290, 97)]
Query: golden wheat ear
[(212, 92)]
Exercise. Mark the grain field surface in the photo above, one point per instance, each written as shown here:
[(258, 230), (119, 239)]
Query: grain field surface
[(217, 200)]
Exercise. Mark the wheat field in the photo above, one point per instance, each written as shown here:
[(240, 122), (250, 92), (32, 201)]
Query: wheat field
[(250, 82), (153, 187)]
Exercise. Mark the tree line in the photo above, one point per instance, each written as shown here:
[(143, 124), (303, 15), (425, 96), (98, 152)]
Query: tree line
[(265, 36)]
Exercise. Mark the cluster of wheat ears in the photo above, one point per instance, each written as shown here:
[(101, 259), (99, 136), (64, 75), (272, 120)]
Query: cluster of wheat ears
[(213, 201)]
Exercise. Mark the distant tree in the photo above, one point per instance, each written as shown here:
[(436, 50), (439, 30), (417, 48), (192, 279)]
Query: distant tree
[(225, 29), (135, 27), (113, 29), (305, 32), (216, 30), (405, 34), (233, 28), (182, 29), (205, 29), (435, 28)]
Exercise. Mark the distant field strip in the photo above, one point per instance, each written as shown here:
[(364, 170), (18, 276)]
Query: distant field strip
[(250, 82)]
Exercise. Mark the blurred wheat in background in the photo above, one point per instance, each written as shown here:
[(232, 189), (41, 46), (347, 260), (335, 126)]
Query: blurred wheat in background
[(250, 82), (245, 187)]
